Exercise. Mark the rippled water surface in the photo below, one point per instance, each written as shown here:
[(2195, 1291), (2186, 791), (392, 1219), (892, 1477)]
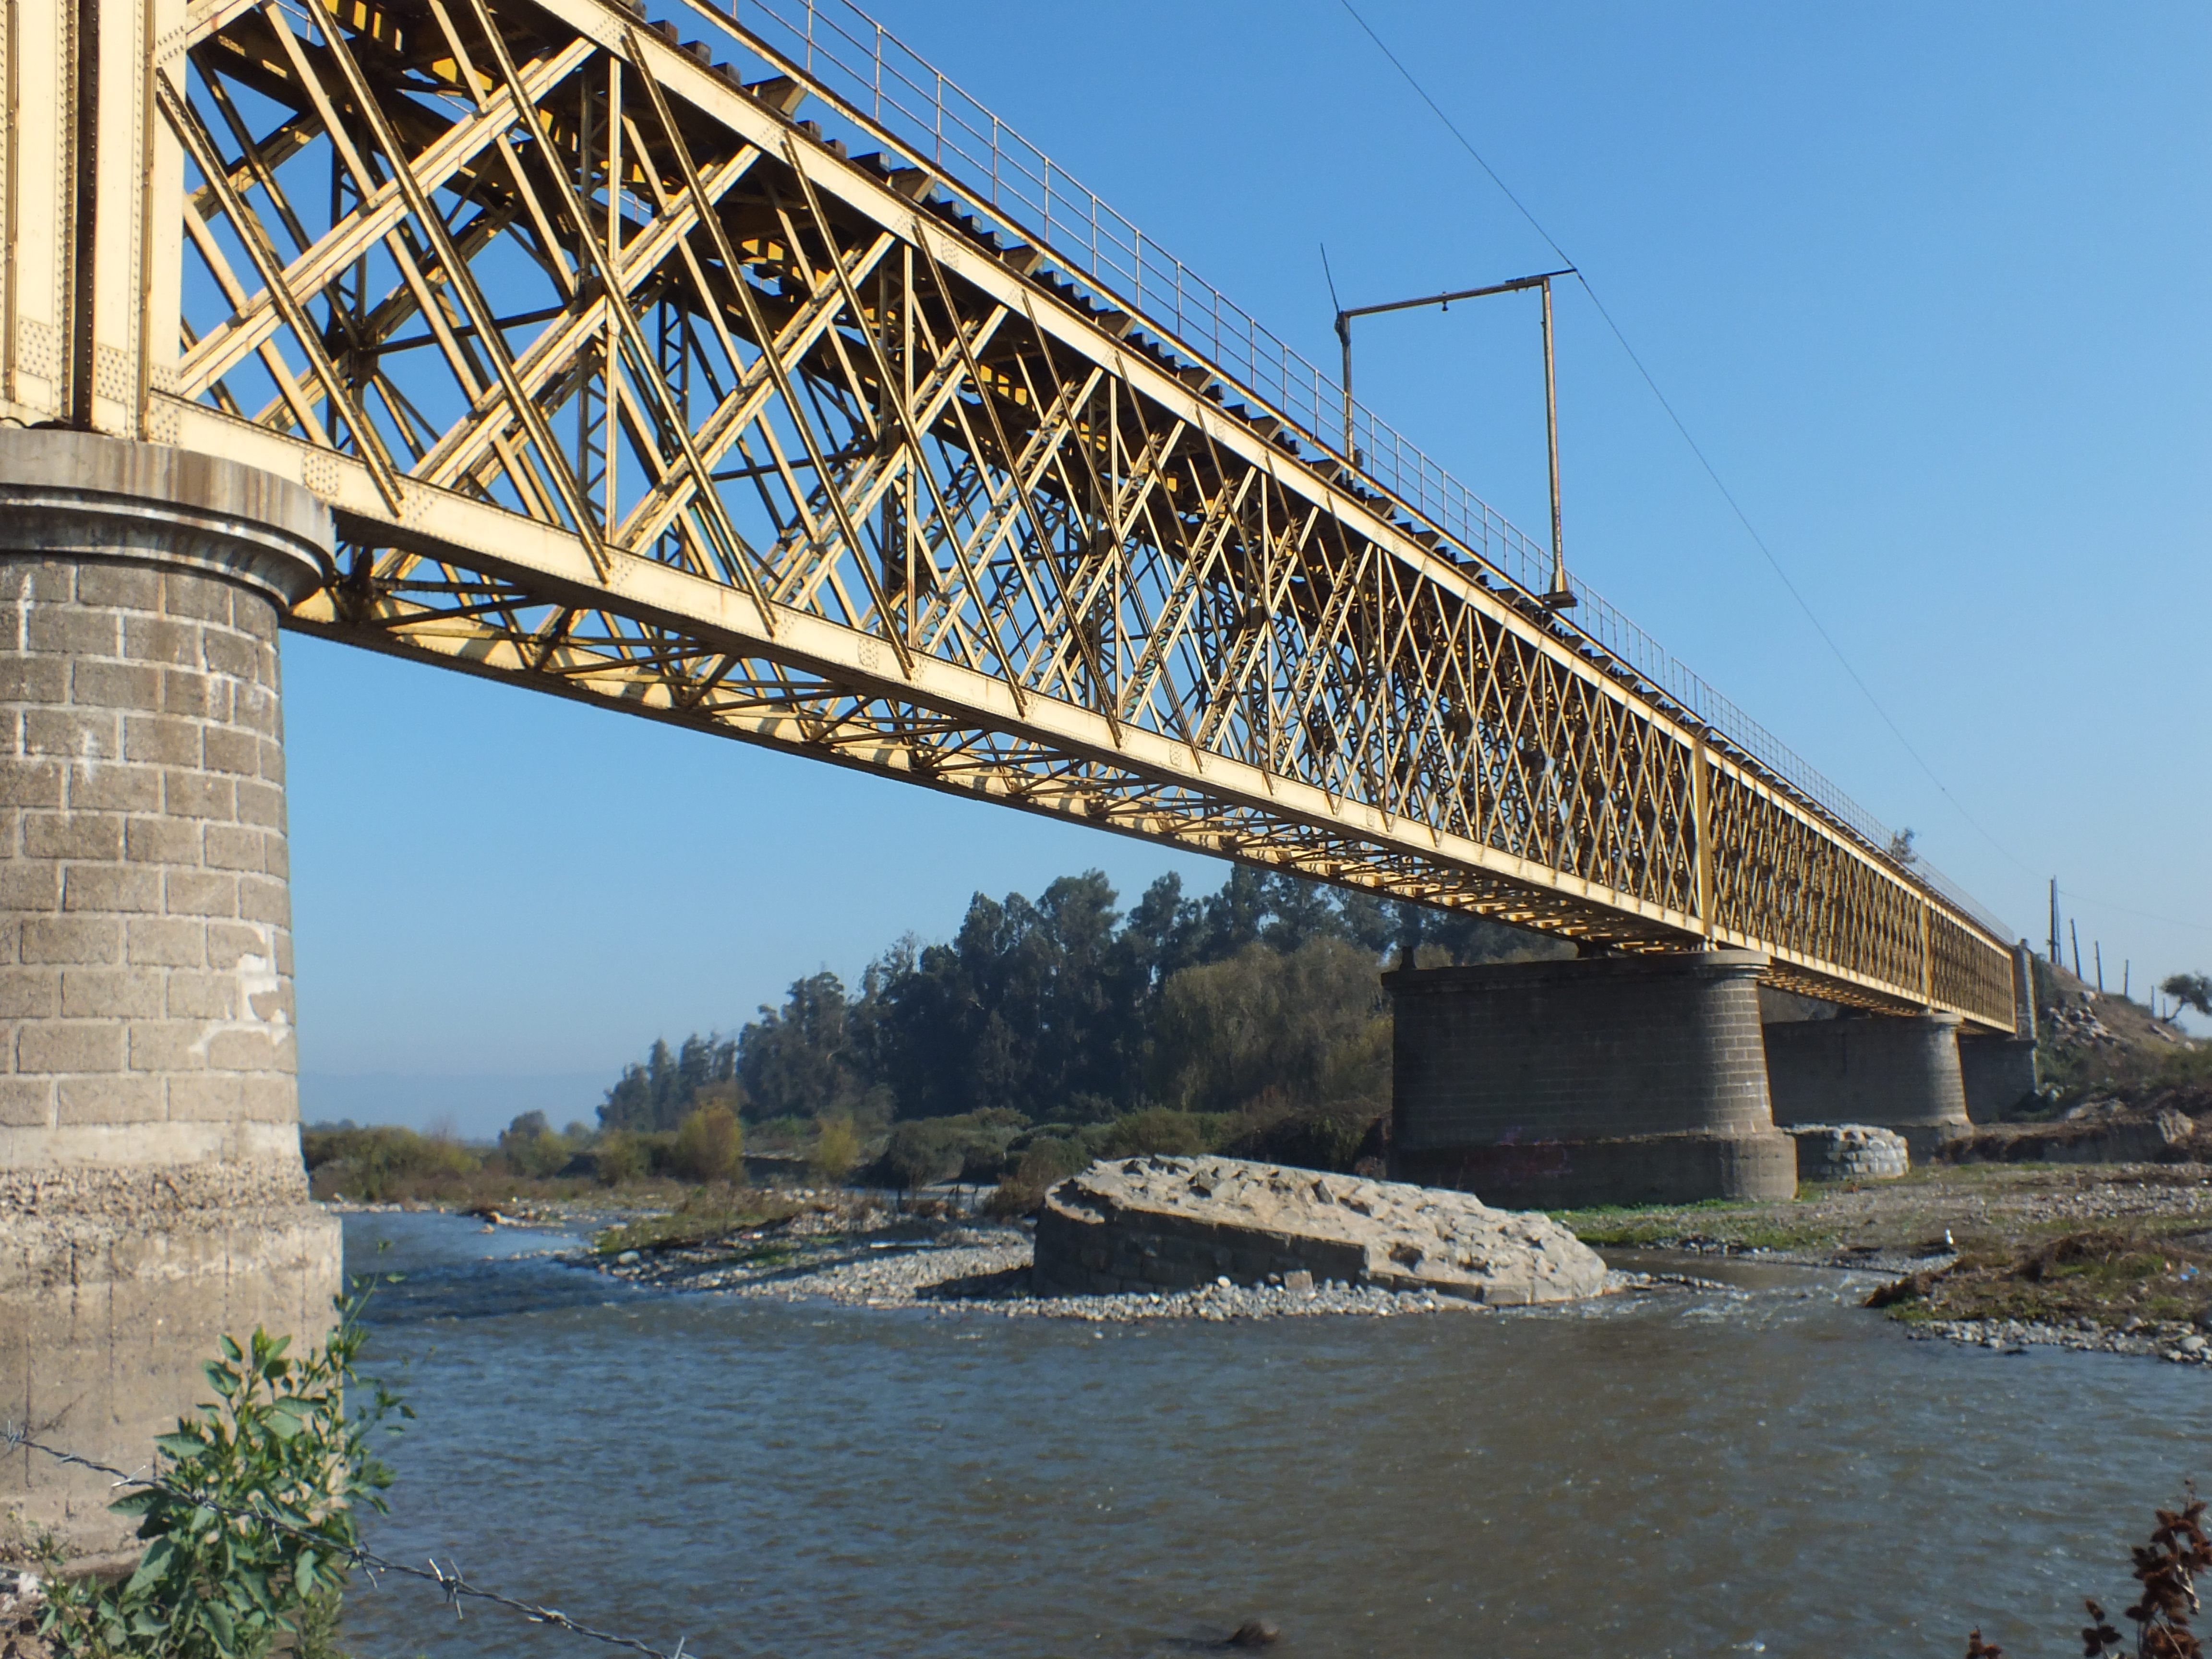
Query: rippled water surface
[(1700, 1474)]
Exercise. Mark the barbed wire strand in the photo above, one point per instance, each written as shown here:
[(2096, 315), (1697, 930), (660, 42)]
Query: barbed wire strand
[(451, 1583)]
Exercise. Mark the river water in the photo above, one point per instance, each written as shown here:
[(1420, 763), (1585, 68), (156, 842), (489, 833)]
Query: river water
[(1772, 1470)]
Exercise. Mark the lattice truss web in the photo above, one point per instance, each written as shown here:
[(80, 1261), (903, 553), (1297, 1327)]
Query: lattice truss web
[(494, 260)]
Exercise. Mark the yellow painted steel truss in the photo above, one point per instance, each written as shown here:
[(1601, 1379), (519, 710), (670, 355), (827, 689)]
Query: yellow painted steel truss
[(627, 383)]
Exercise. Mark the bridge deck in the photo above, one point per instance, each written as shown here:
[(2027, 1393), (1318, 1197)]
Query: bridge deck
[(631, 382)]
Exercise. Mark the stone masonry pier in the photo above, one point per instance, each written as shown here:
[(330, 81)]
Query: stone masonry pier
[(1899, 1071), (1607, 1080), (151, 1193)]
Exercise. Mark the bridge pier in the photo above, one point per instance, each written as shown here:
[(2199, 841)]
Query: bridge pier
[(151, 1191), (1998, 1074), (1607, 1080), (1897, 1071)]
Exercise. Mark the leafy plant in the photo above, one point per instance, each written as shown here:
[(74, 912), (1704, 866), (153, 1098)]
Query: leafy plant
[(2167, 1568), (252, 1514)]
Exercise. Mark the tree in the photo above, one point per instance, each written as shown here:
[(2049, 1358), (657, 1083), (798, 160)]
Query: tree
[(1263, 1024), (794, 1061), (1900, 847), (1049, 1009), (532, 1148), (660, 1093), (2191, 991)]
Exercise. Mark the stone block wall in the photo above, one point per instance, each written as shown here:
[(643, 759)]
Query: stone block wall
[(1996, 1073), (145, 925), (1154, 1252), (1620, 1079), (1893, 1070)]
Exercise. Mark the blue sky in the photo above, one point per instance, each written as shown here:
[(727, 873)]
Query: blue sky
[(1929, 284)]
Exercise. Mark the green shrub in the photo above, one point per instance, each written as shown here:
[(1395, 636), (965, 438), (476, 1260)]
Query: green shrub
[(620, 1157), (532, 1149), (1311, 1140), (710, 1145), (1159, 1129), (382, 1162), (837, 1150), (919, 1152), (216, 1581)]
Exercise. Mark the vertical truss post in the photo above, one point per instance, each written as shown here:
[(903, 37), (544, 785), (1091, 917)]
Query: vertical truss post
[(1701, 831)]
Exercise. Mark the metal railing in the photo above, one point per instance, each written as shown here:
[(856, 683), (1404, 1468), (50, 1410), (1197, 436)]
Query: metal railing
[(910, 103)]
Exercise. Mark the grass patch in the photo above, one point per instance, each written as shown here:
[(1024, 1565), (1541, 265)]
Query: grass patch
[(704, 1221), (2110, 1275), (1713, 1220)]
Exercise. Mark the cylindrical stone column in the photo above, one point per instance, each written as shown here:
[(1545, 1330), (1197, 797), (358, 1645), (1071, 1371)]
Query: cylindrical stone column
[(1892, 1071), (1614, 1080), (152, 1197)]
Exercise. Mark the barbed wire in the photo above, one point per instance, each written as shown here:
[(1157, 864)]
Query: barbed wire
[(448, 1579)]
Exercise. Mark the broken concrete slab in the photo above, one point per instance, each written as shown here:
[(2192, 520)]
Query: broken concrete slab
[(1158, 1222)]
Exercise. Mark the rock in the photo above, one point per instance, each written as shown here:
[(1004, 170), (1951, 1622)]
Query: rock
[(1848, 1151), (628, 1259), (1154, 1222), (1255, 1633), (2193, 1344), (1298, 1282)]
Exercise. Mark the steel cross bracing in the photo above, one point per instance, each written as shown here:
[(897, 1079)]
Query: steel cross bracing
[(626, 383)]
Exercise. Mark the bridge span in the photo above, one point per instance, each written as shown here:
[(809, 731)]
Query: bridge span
[(739, 370)]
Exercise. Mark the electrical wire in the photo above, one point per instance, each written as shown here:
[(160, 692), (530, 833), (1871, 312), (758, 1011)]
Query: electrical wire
[(1726, 494), (2095, 903)]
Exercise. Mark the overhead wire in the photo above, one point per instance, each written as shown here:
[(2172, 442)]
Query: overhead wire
[(1726, 494), (2096, 903)]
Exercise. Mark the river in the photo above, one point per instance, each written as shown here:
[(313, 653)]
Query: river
[(1772, 1470)]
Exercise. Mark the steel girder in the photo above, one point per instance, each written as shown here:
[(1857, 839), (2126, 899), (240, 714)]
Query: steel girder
[(626, 385)]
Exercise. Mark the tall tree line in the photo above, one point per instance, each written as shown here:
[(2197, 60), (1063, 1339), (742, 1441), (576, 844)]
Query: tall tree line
[(1064, 1009)]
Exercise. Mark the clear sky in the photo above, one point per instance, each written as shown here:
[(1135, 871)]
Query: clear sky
[(1927, 283)]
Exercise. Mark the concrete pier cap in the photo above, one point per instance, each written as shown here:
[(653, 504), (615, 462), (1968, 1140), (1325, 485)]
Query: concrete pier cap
[(152, 1196), (1622, 1079)]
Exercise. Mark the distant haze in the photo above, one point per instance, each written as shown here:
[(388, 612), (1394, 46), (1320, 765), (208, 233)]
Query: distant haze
[(476, 1108)]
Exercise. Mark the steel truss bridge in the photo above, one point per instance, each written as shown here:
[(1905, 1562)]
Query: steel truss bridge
[(740, 371)]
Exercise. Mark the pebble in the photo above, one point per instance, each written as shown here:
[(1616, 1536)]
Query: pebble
[(2084, 1336), (979, 1269)]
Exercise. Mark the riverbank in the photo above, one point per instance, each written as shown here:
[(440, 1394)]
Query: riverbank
[(958, 1269), (2113, 1259), (1939, 1210)]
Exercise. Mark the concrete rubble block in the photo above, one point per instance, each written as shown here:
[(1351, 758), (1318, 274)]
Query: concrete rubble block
[(1173, 1223), (1849, 1151)]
